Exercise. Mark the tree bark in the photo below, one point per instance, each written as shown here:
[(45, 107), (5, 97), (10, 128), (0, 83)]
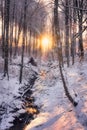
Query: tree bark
[(66, 88), (57, 31), (67, 31), (23, 44), (7, 6)]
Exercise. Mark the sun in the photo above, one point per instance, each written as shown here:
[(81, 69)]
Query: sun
[(46, 43)]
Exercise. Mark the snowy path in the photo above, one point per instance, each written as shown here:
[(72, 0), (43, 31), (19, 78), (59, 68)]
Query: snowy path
[(57, 113)]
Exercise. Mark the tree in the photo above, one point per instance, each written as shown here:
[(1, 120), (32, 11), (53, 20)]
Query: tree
[(73, 41), (23, 43), (67, 30), (57, 34), (6, 41), (80, 20), (3, 26), (12, 15)]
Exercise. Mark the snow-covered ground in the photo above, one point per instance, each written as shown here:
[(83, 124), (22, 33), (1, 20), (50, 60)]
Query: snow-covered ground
[(56, 113), (9, 93), (10, 97)]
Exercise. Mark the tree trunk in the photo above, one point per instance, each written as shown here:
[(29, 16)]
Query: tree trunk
[(3, 27), (81, 39), (66, 89), (80, 19), (11, 31), (67, 31), (73, 41), (59, 54), (7, 6), (29, 45), (23, 44)]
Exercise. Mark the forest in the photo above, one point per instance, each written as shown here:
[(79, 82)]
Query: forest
[(43, 64)]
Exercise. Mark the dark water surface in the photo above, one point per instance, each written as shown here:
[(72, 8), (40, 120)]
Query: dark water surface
[(28, 100)]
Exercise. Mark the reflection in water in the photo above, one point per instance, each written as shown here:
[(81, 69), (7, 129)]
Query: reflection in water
[(24, 119), (31, 110), (28, 105)]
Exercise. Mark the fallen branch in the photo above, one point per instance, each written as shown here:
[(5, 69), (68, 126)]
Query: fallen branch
[(66, 89)]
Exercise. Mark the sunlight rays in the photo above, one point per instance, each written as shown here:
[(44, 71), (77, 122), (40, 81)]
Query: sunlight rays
[(46, 43)]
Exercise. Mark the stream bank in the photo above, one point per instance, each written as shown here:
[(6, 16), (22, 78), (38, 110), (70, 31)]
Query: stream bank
[(30, 109)]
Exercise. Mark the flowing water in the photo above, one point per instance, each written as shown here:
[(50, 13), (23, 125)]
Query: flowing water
[(24, 119)]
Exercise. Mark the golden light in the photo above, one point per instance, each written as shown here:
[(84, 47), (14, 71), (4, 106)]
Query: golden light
[(31, 110), (46, 43)]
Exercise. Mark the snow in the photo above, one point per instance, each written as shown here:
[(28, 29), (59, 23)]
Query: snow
[(10, 97), (56, 111), (8, 92)]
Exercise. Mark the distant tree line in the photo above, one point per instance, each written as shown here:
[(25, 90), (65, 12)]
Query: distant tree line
[(75, 14), (70, 17), (22, 21)]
